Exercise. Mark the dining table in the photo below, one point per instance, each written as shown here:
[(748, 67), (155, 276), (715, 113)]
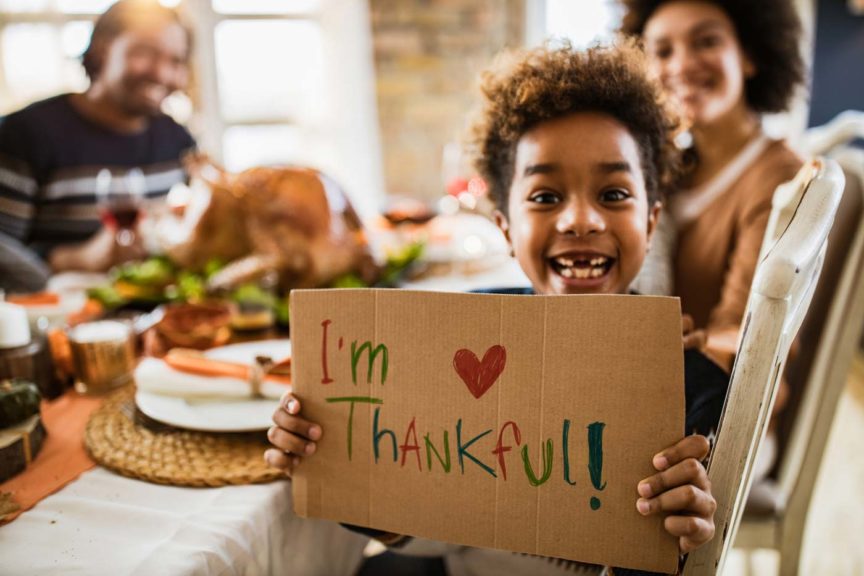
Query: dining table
[(103, 523)]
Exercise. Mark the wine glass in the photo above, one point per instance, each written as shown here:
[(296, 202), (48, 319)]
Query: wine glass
[(120, 200)]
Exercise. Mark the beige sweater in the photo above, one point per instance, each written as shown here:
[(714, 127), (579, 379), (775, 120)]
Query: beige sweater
[(717, 252)]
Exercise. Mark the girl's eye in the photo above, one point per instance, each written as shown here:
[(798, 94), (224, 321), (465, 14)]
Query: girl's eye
[(544, 197), (614, 195)]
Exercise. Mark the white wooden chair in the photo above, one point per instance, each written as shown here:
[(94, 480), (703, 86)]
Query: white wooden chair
[(783, 285), (776, 517)]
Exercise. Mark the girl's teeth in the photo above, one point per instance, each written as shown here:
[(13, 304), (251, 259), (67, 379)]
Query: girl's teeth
[(569, 262), (592, 268)]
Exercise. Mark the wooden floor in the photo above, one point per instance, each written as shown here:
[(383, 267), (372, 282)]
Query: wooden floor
[(834, 537)]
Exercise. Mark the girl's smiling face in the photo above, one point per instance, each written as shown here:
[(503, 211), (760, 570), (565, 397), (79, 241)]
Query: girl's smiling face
[(578, 215), (693, 49)]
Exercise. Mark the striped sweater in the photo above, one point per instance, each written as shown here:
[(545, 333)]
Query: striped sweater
[(49, 158)]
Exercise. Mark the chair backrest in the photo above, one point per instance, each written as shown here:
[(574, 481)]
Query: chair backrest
[(783, 286), (827, 339)]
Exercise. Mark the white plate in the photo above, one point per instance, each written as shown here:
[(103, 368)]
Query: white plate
[(219, 415)]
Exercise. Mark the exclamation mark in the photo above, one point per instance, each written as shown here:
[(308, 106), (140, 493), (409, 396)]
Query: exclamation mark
[(595, 459)]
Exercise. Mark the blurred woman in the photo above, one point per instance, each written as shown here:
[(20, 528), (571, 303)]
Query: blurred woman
[(723, 64)]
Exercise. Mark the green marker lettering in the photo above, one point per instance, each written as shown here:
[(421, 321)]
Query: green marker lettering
[(430, 448), (547, 464), (595, 459), (564, 447), (353, 400), (371, 355), (595, 454)]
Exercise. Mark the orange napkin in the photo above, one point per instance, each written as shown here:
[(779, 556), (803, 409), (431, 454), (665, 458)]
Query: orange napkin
[(34, 299), (63, 457), (203, 366)]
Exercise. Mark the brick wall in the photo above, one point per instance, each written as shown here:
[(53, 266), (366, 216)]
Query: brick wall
[(427, 57)]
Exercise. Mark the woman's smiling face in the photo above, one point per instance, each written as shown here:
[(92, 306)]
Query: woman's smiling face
[(578, 215), (693, 49)]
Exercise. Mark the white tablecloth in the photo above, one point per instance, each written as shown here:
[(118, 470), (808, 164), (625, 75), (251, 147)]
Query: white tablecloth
[(106, 524)]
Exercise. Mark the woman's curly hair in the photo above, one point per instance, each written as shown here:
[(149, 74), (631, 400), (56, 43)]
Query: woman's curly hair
[(524, 89), (121, 16), (769, 32)]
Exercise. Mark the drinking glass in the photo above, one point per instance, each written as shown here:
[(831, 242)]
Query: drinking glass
[(103, 354), (120, 199)]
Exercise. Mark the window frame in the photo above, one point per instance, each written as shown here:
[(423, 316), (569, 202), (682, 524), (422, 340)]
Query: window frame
[(204, 19)]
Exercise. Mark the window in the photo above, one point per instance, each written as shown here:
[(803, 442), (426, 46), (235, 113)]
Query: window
[(291, 82), (583, 22), (53, 39)]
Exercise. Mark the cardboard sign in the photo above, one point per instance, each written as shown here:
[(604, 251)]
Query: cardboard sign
[(515, 422)]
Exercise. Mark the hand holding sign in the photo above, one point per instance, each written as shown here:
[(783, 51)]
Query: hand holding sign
[(681, 489), (292, 435)]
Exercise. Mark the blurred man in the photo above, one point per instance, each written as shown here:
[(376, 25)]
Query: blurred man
[(51, 151)]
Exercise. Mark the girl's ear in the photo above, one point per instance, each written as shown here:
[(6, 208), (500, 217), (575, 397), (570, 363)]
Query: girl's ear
[(503, 225), (653, 216)]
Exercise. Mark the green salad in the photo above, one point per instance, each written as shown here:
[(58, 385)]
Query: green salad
[(158, 280)]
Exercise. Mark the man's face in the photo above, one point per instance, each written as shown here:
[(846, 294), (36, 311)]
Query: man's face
[(144, 65), (578, 215)]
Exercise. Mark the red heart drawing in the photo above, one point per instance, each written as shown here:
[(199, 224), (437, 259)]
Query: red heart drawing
[(479, 376)]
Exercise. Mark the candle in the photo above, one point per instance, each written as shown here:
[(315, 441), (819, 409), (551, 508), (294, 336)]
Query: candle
[(14, 327)]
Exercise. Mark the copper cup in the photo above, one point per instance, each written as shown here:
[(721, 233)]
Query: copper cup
[(103, 355)]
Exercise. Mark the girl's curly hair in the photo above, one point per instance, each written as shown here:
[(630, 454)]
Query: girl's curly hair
[(769, 32), (524, 89)]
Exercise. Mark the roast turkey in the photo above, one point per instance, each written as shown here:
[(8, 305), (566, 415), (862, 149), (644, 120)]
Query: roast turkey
[(295, 221)]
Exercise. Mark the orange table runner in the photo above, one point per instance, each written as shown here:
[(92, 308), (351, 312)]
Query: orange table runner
[(63, 457)]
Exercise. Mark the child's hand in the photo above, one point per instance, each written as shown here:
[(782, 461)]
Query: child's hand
[(293, 436), (692, 338), (683, 490)]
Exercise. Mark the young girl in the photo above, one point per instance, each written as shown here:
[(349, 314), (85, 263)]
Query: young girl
[(575, 149)]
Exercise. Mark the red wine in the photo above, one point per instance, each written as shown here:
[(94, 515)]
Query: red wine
[(124, 217)]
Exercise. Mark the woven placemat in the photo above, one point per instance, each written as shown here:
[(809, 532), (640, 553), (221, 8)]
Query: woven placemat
[(123, 439)]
